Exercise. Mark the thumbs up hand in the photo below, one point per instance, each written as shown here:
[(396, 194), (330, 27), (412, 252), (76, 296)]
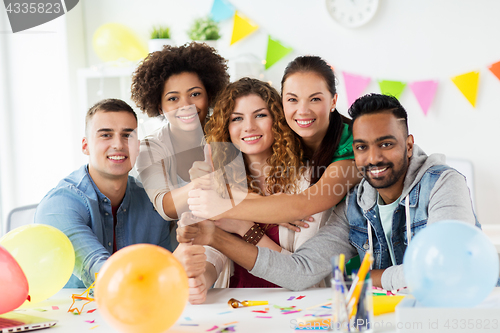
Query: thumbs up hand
[(201, 172)]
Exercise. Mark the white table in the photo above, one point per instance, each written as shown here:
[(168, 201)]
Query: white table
[(215, 312)]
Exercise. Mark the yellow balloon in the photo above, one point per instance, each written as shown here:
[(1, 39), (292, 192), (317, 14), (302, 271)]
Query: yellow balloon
[(141, 288), (113, 41), (46, 256)]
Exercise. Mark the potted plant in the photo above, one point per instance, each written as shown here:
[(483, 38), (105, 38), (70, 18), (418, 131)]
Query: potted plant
[(160, 35), (204, 30)]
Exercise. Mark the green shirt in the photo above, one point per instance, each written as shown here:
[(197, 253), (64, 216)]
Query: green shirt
[(344, 150)]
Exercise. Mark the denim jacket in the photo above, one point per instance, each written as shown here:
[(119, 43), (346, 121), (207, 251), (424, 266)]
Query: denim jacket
[(435, 192), (83, 213), (358, 218)]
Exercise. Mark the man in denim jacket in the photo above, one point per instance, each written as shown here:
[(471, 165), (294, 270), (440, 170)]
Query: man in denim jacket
[(99, 206), (402, 190)]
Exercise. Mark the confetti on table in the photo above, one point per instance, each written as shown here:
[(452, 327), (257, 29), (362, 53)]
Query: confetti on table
[(190, 325), (221, 313), (93, 327), (301, 297), (85, 296), (188, 318), (213, 328), (288, 312), (263, 316), (285, 308), (231, 323), (326, 307), (227, 329), (315, 306), (54, 307), (259, 311), (90, 321), (90, 311), (291, 298)]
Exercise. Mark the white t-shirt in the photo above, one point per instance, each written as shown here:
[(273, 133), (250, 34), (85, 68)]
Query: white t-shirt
[(386, 211)]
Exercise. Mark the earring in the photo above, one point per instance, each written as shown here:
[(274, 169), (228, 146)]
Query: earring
[(333, 109)]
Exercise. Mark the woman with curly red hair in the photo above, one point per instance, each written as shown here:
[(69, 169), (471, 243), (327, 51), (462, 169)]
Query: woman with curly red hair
[(179, 83), (248, 116)]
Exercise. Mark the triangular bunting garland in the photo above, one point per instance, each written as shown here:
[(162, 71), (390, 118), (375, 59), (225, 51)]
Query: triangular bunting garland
[(424, 91), (221, 10), (392, 88), (467, 83), (495, 69), (275, 51), (242, 27), (354, 86)]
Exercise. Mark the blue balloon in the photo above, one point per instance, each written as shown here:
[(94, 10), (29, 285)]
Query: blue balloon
[(450, 264)]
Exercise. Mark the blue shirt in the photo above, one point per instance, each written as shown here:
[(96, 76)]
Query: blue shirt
[(77, 208)]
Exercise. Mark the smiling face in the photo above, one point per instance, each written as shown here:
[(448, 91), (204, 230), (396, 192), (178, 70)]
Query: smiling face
[(382, 150), (250, 127), (307, 104), (184, 102), (112, 145)]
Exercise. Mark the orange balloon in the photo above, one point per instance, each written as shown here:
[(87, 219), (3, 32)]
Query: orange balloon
[(141, 288)]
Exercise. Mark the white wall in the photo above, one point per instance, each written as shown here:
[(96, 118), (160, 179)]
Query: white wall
[(38, 143), (407, 40)]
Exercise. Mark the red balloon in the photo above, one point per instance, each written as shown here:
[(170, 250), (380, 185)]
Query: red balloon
[(13, 282)]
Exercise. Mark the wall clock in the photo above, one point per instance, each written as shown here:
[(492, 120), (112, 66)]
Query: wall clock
[(352, 13)]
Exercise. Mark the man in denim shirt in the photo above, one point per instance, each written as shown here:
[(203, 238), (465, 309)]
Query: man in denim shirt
[(403, 190), (99, 206)]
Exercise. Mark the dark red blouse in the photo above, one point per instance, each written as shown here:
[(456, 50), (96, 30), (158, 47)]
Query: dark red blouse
[(243, 279)]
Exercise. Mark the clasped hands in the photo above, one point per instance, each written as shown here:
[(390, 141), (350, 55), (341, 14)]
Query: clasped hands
[(204, 202), (198, 227)]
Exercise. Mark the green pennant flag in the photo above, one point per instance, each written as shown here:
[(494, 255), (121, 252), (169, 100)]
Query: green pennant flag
[(392, 88), (275, 51)]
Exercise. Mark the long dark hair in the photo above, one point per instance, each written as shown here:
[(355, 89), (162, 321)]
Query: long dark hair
[(323, 156)]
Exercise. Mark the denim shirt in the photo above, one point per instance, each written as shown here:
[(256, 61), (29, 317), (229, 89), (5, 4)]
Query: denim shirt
[(83, 213), (419, 197)]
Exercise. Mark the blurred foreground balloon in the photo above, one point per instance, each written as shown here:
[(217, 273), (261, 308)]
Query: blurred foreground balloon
[(141, 288), (113, 41), (13, 283), (451, 264), (45, 255)]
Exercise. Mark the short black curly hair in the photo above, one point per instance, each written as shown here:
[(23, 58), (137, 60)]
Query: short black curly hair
[(149, 78)]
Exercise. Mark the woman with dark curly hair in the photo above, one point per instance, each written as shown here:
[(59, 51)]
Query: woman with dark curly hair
[(249, 115), (179, 83)]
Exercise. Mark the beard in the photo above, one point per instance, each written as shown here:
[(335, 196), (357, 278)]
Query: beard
[(394, 175)]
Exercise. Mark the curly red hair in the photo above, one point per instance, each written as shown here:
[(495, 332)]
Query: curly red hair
[(285, 161)]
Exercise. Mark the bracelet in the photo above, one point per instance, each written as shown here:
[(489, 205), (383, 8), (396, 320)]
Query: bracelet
[(253, 235)]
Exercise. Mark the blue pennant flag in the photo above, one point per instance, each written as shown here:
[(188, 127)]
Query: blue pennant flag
[(221, 10)]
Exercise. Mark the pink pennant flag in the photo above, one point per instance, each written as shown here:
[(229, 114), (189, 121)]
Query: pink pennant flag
[(354, 86), (424, 91)]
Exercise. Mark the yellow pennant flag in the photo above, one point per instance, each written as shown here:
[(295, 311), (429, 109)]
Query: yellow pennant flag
[(468, 83), (242, 27)]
